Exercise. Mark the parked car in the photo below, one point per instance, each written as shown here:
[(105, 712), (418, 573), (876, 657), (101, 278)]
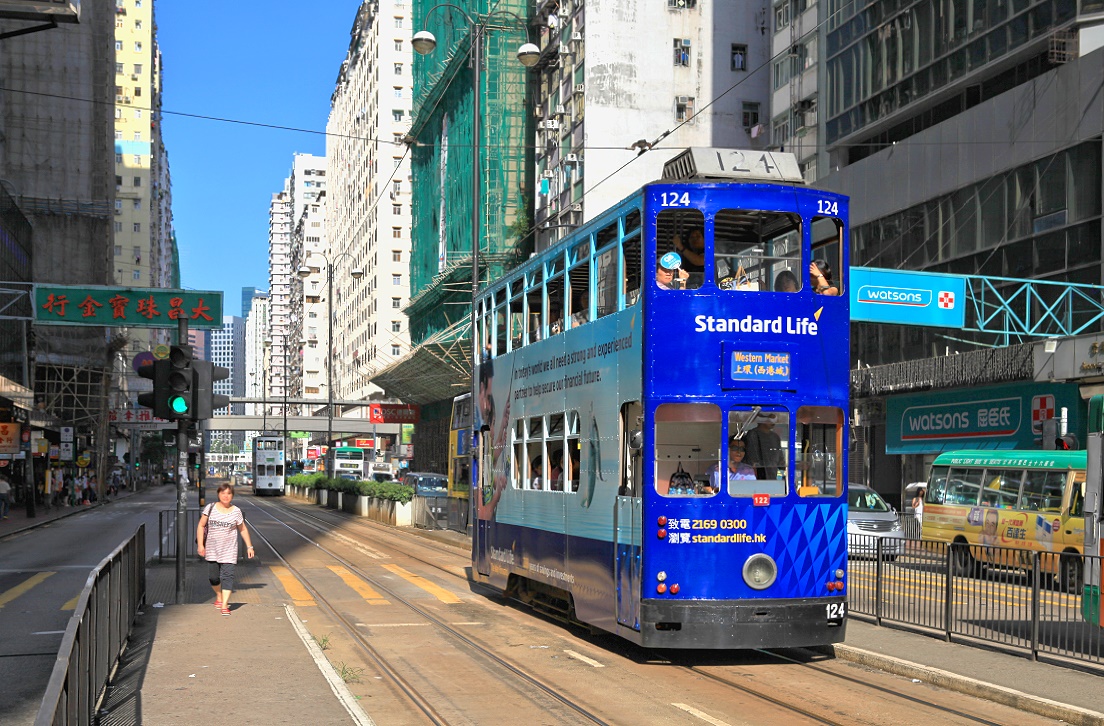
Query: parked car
[(426, 484), (870, 518)]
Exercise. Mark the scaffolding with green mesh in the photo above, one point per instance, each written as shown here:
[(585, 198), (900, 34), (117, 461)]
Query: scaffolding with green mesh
[(442, 158)]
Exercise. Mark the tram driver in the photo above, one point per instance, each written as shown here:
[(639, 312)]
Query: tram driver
[(737, 469)]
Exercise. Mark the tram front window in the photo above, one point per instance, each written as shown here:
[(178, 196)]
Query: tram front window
[(819, 451), (758, 452)]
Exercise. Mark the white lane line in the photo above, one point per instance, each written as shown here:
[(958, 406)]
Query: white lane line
[(700, 714), (583, 658)]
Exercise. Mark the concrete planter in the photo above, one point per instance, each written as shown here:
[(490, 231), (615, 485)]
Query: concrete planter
[(321, 496), (351, 503), (333, 501)]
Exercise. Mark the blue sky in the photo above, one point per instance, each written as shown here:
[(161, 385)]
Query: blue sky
[(269, 63)]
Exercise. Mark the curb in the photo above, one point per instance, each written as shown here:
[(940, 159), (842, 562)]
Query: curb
[(968, 686)]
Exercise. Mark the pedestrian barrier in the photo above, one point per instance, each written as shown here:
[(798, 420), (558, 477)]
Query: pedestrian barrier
[(430, 512), (96, 635), (1020, 599)]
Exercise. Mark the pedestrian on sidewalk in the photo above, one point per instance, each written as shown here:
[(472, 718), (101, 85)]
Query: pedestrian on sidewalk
[(5, 496), (217, 542)]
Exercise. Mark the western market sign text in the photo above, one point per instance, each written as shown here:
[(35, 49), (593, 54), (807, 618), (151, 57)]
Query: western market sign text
[(141, 307)]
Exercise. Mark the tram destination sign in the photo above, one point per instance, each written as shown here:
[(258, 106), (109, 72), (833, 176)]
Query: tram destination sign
[(135, 307)]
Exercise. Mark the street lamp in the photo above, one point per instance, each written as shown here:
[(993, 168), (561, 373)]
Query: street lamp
[(528, 54), (356, 273)]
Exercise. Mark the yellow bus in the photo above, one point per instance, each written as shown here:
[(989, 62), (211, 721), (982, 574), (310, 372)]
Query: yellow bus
[(459, 447), (1030, 501)]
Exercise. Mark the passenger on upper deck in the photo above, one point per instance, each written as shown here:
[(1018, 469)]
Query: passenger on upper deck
[(665, 276), (820, 274), (582, 310), (692, 251), (786, 281)]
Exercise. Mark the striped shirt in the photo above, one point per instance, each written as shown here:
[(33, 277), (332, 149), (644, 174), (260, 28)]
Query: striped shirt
[(222, 534)]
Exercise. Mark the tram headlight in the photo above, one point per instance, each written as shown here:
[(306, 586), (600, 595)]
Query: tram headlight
[(839, 573), (760, 571), (661, 576)]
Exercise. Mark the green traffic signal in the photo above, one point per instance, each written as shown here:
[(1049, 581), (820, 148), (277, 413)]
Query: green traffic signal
[(178, 404)]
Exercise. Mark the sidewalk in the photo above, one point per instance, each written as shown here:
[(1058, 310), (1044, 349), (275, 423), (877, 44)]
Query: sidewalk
[(186, 663), (1065, 694)]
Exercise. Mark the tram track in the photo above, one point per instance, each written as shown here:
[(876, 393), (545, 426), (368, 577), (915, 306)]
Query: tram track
[(379, 659), (787, 700)]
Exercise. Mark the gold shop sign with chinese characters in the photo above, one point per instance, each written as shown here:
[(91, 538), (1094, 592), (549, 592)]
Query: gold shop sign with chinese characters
[(142, 307)]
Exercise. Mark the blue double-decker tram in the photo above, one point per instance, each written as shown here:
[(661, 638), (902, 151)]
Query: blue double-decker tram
[(661, 428)]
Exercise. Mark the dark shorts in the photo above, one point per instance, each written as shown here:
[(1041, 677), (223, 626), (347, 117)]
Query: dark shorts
[(221, 574)]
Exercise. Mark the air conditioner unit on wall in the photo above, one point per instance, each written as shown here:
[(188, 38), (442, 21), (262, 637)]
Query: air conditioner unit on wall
[(552, 125), (560, 109), (579, 88), (577, 35), (683, 100), (571, 158), (548, 174)]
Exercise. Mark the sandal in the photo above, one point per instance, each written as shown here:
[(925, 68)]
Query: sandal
[(226, 611)]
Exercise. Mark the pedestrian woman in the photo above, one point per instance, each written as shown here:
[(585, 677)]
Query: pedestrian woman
[(217, 542)]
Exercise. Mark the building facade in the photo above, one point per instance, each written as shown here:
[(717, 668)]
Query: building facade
[(228, 351)]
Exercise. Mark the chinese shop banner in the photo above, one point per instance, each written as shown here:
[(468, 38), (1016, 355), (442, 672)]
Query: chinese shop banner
[(142, 307)]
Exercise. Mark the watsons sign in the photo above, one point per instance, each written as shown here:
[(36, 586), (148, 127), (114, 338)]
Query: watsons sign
[(972, 419), (748, 324), (894, 296)]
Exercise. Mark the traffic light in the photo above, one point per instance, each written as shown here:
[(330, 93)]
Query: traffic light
[(181, 383), (206, 400), (158, 398)]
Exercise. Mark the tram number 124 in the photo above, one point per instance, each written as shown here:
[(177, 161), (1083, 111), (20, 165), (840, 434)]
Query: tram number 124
[(836, 610)]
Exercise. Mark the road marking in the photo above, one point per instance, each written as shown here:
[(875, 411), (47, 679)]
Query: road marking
[(700, 714), (23, 587), (418, 581), (362, 588), (295, 590), (71, 605), (583, 658), (337, 685)]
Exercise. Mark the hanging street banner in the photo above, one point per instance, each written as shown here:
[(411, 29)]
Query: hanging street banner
[(138, 307)]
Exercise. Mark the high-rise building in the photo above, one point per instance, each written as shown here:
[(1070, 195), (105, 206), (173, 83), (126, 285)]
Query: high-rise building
[(228, 351), (143, 253), (368, 201), (675, 73), (256, 332), (280, 283)]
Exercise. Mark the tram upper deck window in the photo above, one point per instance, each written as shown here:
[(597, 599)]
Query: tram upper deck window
[(819, 451), (555, 292), (687, 448), (578, 281), (605, 279), (827, 238), (535, 306), (630, 247), (681, 231), (758, 452), (517, 315), (757, 251)]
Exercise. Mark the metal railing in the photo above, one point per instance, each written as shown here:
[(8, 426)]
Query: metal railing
[(96, 634), (166, 533), (429, 512), (1020, 599)]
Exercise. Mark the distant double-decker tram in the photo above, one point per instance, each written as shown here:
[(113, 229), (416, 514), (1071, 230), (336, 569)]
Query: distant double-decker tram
[(660, 420), (269, 475)]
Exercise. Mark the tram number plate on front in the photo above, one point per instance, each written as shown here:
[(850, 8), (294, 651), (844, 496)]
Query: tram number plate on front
[(836, 610)]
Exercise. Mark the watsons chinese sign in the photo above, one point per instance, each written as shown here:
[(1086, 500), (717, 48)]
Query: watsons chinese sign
[(974, 419), (992, 417)]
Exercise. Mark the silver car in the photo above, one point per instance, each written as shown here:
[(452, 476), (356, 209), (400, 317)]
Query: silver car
[(870, 518)]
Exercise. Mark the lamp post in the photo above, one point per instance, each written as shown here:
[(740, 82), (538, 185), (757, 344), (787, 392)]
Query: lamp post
[(528, 54), (356, 273)]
